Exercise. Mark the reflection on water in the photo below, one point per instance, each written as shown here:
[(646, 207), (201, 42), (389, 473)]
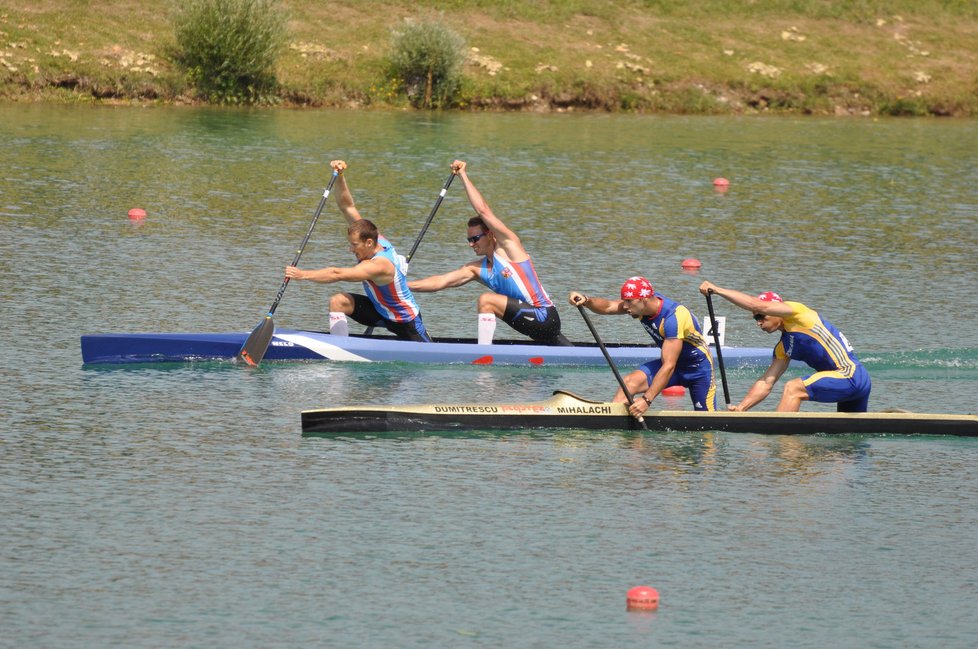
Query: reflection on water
[(128, 492)]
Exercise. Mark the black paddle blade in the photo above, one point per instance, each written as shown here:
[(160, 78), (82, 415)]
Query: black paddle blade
[(257, 344)]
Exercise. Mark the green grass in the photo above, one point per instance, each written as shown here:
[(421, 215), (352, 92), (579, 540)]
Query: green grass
[(863, 57)]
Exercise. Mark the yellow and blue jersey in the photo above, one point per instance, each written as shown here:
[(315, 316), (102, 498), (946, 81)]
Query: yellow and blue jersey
[(810, 338), (675, 321), (694, 368), (839, 376)]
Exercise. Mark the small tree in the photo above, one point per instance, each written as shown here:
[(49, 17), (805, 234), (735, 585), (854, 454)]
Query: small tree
[(427, 59), (229, 47)]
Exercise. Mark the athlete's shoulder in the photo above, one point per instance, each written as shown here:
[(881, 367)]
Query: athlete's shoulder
[(797, 307), (801, 315), (673, 309), (668, 304)]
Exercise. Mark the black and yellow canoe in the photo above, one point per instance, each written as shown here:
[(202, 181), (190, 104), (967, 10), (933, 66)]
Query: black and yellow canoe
[(567, 410)]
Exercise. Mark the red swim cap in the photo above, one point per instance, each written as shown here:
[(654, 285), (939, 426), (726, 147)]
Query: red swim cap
[(636, 288), (770, 296)]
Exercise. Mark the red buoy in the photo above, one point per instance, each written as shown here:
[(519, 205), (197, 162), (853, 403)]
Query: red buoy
[(721, 182), (642, 598), (674, 391), (690, 263), (137, 214)]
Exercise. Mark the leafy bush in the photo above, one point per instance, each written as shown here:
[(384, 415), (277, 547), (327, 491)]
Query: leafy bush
[(427, 57), (229, 47)]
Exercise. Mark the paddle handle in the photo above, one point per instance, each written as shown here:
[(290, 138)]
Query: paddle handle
[(716, 342), (611, 363), (305, 240)]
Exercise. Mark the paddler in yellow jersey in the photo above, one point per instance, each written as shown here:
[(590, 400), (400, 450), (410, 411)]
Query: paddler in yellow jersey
[(806, 336)]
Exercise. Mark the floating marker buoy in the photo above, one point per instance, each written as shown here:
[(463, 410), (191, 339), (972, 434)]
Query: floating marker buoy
[(721, 182), (674, 391), (690, 263), (137, 214), (642, 598)]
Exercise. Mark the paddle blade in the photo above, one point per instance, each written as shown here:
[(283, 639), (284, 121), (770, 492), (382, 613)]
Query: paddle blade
[(257, 344)]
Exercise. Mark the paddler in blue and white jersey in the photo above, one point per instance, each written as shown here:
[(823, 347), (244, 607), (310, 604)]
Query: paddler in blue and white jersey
[(685, 359), (388, 302), (516, 296), (805, 336)]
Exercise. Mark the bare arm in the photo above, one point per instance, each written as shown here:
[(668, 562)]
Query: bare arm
[(505, 238), (747, 302), (671, 348), (597, 304), (344, 198), (763, 386), (457, 277), (376, 270)]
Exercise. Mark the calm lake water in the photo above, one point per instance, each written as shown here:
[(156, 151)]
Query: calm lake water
[(179, 506)]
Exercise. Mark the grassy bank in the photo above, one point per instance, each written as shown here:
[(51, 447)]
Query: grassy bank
[(897, 57)]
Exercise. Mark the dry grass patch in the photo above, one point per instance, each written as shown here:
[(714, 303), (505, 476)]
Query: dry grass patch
[(711, 55)]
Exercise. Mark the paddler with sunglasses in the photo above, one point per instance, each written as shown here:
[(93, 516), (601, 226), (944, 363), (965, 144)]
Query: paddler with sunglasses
[(516, 295), (805, 336)]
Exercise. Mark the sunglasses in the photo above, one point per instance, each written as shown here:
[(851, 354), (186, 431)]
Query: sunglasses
[(759, 317), (475, 238)]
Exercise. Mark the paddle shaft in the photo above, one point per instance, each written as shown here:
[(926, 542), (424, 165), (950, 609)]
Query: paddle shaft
[(305, 240), (431, 215), (716, 341), (607, 357), (417, 242), (256, 345)]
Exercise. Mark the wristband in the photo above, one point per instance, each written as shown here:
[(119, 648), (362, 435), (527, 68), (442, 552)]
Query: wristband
[(646, 400)]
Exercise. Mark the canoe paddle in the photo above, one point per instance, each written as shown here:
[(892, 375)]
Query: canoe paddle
[(441, 196), (255, 347), (611, 363), (716, 341), (417, 242)]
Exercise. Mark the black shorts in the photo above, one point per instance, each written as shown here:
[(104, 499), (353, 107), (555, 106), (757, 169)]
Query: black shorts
[(366, 314), (539, 323)]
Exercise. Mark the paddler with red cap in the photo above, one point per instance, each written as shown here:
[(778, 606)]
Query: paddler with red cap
[(685, 358), (805, 336)]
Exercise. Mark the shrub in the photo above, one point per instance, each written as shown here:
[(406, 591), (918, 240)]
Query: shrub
[(427, 57), (229, 47)]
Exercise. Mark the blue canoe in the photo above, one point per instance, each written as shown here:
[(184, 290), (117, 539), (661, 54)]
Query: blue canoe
[(298, 345)]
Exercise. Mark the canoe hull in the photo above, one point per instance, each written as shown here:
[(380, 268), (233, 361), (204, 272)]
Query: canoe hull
[(566, 410), (298, 345)]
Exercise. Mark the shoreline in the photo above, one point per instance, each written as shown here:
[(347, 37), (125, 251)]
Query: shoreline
[(711, 58)]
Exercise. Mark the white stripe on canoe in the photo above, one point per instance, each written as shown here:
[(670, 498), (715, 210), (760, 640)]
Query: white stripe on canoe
[(324, 349)]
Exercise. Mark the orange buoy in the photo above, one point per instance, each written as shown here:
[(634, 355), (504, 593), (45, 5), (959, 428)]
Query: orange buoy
[(642, 598), (721, 182), (674, 391), (690, 263), (137, 214)]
